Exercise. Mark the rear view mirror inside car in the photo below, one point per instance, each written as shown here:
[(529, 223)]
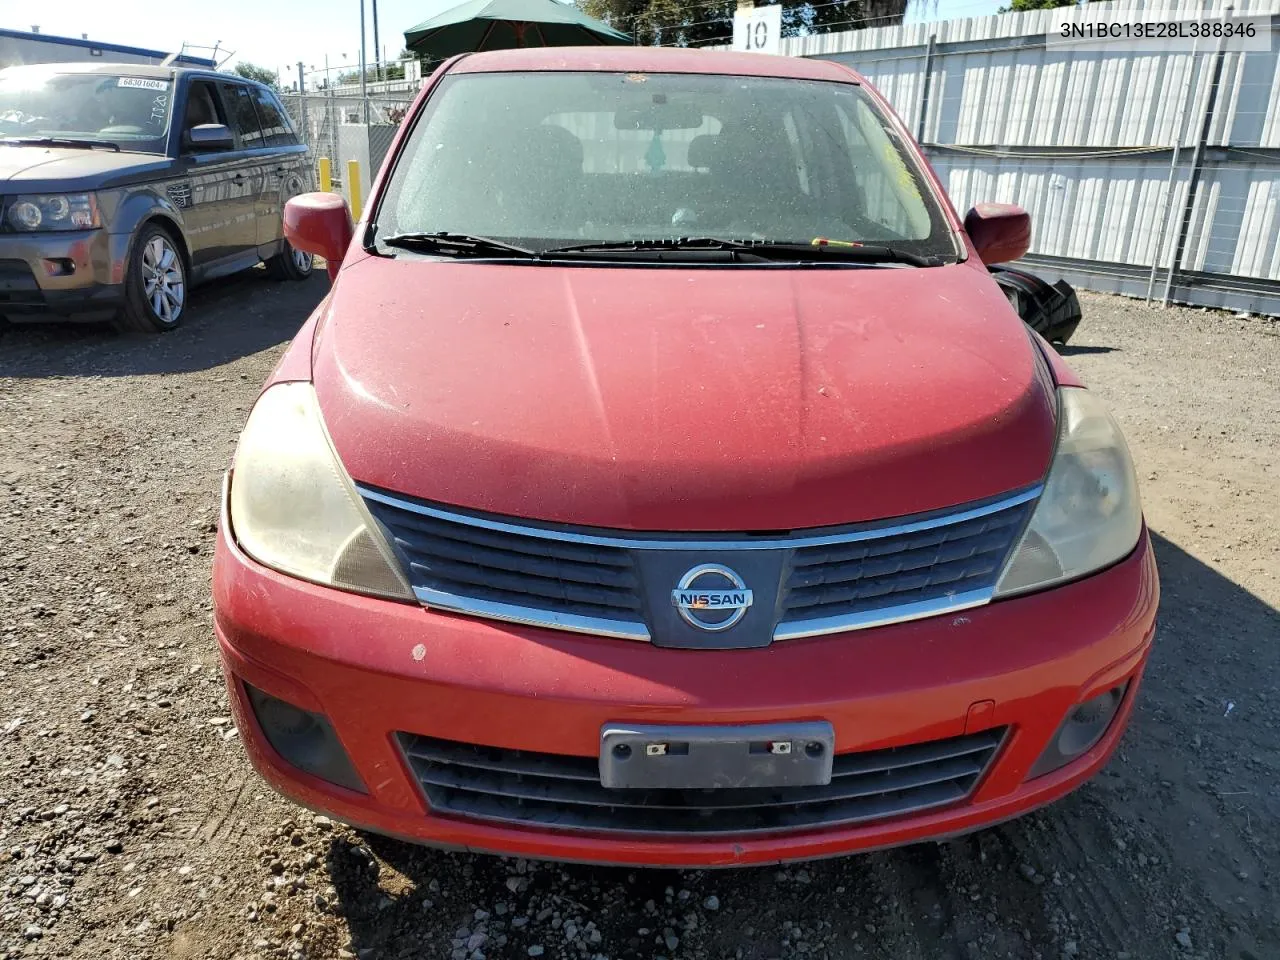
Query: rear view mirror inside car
[(658, 116)]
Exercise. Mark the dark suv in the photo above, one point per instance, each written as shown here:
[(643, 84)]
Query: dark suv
[(121, 185)]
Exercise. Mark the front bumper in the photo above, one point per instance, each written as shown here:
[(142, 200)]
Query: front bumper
[(74, 275), (375, 667)]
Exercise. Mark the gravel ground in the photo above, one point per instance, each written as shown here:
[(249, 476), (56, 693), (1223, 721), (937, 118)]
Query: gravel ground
[(132, 827)]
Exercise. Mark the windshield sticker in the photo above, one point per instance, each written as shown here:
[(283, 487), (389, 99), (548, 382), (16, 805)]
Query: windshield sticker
[(142, 83)]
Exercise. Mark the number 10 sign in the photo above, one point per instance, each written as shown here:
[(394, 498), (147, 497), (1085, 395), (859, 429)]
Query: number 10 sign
[(758, 29)]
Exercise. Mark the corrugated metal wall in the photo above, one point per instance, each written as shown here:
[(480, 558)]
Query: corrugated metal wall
[(1087, 142)]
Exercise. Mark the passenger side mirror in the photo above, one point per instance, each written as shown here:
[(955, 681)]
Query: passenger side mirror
[(208, 136), (1000, 231), (319, 224)]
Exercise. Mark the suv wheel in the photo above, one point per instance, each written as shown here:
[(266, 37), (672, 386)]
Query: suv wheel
[(155, 287), (290, 264)]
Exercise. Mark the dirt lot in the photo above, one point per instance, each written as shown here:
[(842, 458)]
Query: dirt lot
[(131, 826)]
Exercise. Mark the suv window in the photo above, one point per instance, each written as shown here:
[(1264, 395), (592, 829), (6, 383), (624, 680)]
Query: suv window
[(276, 128), (243, 115), (203, 106), (130, 111)]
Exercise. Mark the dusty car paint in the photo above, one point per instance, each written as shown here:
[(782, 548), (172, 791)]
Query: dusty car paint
[(609, 402)]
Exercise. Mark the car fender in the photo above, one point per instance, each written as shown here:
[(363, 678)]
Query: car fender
[(142, 204)]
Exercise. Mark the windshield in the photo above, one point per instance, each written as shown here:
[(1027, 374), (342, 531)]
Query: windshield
[(131, 112), (547, 159)]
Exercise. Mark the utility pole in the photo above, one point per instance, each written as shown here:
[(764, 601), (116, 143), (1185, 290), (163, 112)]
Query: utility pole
[(377, 50), (301, 87), (364, 93)]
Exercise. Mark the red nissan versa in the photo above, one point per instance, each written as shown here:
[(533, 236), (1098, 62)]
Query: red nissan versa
[(665, 480)]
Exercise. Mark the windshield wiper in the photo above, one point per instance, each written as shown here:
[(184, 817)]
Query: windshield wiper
[(442, 241), (762, 249), (662, 243), (61, 142), (858, 252)]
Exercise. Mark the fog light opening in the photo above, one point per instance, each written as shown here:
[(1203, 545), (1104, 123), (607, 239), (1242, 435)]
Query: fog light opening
[(1083, 727), (304, 739), (59, 266)]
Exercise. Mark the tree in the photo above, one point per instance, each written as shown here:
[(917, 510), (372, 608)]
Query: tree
[(1020, 6), (251, 71), (696, 23)]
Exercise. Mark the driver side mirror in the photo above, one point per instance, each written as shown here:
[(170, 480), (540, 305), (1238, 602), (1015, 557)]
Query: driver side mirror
[(1000, 231), (319, 224), (208, 136)]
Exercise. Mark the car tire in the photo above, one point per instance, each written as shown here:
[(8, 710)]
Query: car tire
[(155, 284), (290, 264)]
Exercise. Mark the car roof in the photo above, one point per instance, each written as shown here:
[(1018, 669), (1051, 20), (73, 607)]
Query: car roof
[(127, 69), (653, 60)]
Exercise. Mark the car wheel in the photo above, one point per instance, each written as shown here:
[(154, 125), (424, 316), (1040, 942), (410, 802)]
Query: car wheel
[(290, 264), (155, 286)]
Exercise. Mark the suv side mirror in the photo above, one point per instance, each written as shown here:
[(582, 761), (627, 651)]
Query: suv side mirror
[(319, 224), (1000, 231), (208, 136)]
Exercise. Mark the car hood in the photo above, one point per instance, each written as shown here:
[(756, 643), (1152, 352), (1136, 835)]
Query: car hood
[(44, 168), (682, 399)]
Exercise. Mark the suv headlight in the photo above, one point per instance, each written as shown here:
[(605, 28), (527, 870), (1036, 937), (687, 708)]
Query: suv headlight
[(293, 507), (37, 213), (1089, 515)]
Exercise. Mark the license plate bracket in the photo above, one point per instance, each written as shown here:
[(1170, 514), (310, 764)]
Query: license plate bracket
[(716, 757)]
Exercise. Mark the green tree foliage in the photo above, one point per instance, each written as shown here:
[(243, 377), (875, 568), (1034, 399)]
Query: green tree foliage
[(709, 22), (251, 71), (1018, 6)]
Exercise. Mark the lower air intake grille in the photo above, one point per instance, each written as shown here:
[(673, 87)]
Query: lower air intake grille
[(564, 792)]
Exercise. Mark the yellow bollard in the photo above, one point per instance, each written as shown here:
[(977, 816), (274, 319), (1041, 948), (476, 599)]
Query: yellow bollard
[(326, 175), (353, 186)]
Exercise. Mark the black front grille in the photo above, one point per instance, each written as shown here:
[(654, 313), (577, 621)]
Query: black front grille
[(564, 792), (619, 582), (454, 559), (868, 575)]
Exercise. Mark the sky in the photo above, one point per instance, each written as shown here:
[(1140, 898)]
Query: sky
[(279, 33)]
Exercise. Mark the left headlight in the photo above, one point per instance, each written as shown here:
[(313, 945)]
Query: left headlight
[(1089, 515), (40, 212), (293, 507)]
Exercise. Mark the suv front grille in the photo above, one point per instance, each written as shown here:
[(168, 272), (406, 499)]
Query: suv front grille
[(564, 792), (610, 583)]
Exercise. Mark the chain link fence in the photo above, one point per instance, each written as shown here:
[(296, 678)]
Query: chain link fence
[(346, 128)]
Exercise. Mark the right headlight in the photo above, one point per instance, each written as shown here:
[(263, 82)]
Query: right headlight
[(1089, 515), (293, 508)]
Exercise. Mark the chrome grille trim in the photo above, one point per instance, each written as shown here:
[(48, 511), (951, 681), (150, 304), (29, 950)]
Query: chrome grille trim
[(899, 613), (531, 616), (675, 541)]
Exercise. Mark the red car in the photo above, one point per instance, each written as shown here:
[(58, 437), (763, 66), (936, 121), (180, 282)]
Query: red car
[(665, 480)]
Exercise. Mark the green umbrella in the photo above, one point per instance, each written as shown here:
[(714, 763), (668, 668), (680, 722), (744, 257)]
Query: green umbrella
[(502, 24)]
